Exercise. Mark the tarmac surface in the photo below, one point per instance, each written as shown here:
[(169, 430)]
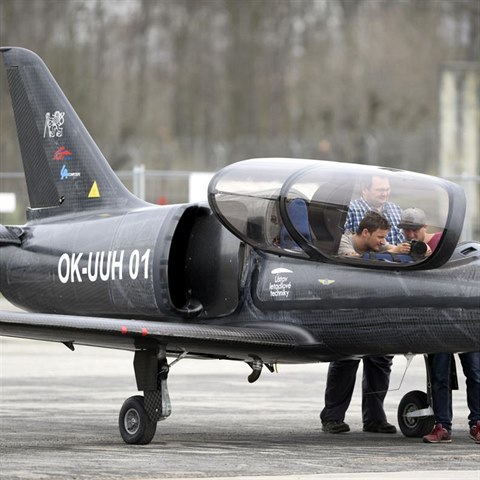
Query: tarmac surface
[(59, 420)]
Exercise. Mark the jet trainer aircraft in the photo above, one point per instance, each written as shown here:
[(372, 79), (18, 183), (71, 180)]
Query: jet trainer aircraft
[(252, 276)]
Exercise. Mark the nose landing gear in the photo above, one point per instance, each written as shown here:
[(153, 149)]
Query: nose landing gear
[(415, 413), (415, 416)]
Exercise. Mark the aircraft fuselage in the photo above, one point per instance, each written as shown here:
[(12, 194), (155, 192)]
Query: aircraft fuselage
[(180, 264)]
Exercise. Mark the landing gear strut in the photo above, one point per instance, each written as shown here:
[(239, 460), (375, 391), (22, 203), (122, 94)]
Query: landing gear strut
[(139, 415)]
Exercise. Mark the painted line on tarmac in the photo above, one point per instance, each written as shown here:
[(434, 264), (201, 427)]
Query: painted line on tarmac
[(407, 475)]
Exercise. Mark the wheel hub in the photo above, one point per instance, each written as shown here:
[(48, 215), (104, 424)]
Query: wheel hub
[(132, 421)]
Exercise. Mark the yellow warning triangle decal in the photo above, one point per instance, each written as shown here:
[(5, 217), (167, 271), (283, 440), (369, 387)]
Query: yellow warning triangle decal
[(94, 192)]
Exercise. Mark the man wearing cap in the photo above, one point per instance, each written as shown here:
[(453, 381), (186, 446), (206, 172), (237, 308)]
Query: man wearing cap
[(413, 224)]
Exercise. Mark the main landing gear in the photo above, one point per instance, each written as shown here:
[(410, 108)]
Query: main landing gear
[(139, 415), (415, 413)]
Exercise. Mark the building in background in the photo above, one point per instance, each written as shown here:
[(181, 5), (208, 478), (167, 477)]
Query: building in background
[(459, 149)]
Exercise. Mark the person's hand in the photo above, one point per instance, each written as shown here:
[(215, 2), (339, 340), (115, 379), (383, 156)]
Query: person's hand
[(401, 248)]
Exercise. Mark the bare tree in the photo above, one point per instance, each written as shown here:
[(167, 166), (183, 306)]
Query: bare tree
[(200, 83)]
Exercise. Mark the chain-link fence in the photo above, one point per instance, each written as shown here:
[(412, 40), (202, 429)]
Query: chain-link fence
[(159, 187), (170, 187)]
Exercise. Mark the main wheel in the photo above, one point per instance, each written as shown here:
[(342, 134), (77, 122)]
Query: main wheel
[(414, 426), (134, 423)]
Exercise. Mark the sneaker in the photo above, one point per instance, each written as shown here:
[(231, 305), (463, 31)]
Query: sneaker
[(380, 426), (335, 427), (438, 435), (475, 432)]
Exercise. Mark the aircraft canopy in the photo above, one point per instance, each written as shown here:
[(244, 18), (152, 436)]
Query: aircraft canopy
[(300, 208)]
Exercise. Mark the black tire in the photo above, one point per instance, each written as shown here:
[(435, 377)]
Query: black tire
[(134, 423), (414, 426)]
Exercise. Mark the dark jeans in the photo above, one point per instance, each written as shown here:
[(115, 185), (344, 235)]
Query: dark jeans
[(341, 382), (442, 393)]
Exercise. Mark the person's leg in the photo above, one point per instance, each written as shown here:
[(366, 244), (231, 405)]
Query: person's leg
[(439, 365), (471, 369), (376, 379), (339, 390), (441, 391)]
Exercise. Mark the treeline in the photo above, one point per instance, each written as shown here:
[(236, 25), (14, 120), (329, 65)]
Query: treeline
[(197, 84)]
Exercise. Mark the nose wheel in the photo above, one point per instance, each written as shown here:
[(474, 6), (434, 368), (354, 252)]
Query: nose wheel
[(415, 417)]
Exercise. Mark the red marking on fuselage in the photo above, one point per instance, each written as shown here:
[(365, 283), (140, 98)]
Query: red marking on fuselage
[(124, 330), (144, 332), (61, 153)]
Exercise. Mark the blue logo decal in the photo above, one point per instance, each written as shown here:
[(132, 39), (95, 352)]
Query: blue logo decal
[(64, 173)]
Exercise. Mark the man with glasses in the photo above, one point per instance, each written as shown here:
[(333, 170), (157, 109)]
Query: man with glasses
[(375, 194)]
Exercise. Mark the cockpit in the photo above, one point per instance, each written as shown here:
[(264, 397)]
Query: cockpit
[(302, 208)]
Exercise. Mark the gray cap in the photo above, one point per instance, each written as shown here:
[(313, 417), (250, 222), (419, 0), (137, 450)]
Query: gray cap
[(412, 218)]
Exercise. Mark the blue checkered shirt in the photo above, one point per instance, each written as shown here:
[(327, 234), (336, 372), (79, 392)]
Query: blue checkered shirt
[(392, 212)]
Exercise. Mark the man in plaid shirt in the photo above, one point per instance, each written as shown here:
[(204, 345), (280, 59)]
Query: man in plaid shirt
[(375, 193)]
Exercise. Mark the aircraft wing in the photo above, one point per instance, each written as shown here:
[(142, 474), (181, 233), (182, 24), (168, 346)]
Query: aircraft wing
[(220, 341)]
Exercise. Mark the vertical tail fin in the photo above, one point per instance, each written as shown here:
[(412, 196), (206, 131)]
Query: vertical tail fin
[(64, 169)]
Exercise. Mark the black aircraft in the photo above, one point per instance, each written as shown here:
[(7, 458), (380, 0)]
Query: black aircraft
[(252, 276)]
